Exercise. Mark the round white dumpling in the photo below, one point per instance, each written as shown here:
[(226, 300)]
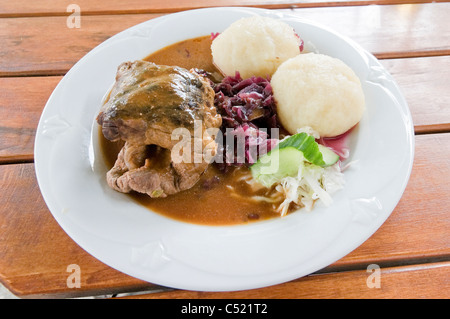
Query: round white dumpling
[(254, 46), (317, 91)]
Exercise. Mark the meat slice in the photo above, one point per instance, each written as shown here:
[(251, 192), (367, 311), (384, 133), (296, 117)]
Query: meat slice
[(147, 103), (156, 176)]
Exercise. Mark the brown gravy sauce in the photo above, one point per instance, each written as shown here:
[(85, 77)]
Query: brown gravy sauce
[(218, 198)]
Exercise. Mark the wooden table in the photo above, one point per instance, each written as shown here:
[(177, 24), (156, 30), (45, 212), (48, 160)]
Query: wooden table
[(412, 248)]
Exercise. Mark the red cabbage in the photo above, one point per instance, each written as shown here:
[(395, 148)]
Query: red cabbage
[(248, 112), (241, 101)]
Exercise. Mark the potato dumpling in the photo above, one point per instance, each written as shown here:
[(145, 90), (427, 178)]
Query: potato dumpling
[(317, 91), (254, 46)]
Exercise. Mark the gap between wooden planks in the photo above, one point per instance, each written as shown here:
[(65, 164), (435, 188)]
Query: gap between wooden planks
[(45, 46), (35, 251)]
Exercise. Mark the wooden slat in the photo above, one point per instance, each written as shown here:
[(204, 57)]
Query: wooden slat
[(44, 45), (35, 252), (421, 218), (422, 80), (426, 281), (21, 103), (425, 85), (391, 31), (21, 8)]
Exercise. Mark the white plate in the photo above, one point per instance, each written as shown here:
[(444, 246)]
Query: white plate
[(148, 246)]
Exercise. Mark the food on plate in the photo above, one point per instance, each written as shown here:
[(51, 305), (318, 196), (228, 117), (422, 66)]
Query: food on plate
[(254, 46), (288, 157), (276, 132), (246, 105), (146, 104), (317, 91), (301, 170)]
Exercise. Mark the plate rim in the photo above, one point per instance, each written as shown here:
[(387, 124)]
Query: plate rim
[(84, 245)]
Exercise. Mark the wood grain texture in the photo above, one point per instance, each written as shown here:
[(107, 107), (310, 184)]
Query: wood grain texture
[(421, 217), (22, 100), (35, 252), (391, 31), (425, 281), (21, 8), (412, 246), (44, 45), (32, 46), (424, 82), (425, 85)]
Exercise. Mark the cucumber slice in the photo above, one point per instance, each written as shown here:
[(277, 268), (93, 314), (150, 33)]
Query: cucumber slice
[(277, 164), (288, 157), (304, 143), (328, 156), (313, 152)]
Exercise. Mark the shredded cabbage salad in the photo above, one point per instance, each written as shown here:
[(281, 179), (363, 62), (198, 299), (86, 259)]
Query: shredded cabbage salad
[(309, 184)]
